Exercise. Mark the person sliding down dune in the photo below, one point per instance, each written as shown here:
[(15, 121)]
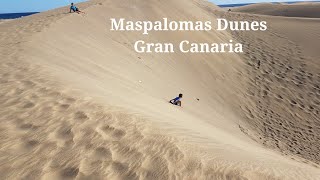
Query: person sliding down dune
[(75, 9), (176, 101)]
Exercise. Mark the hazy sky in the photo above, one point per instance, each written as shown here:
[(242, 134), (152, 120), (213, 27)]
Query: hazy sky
[(9, 6), (248, 1)]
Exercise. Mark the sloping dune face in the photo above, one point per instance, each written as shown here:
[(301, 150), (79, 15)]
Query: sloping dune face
[(308, 9), (77, 102), (284, 76)]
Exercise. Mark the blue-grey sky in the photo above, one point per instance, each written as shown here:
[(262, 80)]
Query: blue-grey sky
[(249, 1), (12, 6)]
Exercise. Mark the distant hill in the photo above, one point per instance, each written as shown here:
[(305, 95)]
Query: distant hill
[(302, 9), (245, 4)]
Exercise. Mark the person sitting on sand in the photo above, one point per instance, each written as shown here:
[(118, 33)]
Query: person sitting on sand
[(176, 101), (75, 9)]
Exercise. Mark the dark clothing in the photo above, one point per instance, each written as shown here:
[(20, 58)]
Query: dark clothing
[(74, 9), (176, 101)]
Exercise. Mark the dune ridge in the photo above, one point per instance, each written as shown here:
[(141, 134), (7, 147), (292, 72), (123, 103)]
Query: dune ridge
[(73, 105), (302, 9)]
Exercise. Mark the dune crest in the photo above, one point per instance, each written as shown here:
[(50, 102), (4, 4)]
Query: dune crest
[(78, 103), (302, 9)]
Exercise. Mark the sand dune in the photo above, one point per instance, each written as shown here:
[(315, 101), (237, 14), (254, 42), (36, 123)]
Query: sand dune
[(284, 84), (78, 103), (4, 20), (303, 9)]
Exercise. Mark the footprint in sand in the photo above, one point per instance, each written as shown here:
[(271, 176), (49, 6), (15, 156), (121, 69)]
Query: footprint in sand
[(28, 105), (278, 96), (293, 102), (118, 134), (28, 145), (64, 106), (63, 135), (102, 153), (80, 115), (31, 143), (26, 127), (70, 172), (119, 168), (27, 83), (70, 100), (108, 132)]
